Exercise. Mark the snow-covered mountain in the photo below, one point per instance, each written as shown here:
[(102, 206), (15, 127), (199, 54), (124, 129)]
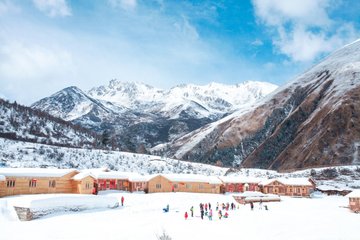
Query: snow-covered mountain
[(26, 124), (312, 121), (141, 116)]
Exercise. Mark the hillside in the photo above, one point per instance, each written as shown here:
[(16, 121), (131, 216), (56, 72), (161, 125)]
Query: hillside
[(310, 122), (22, 123)]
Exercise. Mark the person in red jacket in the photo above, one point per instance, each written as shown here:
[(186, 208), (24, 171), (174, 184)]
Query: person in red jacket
[(122, 200), (186, 215)]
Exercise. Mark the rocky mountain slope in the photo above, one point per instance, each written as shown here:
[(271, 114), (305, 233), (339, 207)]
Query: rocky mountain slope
[(312, 121), (26, 124), (140, 116)]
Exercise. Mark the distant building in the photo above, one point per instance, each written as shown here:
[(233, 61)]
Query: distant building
[(240, 184), (184, 183), (296, 187), (16, 181), (354, 201)]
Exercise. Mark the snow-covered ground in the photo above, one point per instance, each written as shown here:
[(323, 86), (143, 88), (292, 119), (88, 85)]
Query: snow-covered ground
[(142, 218)]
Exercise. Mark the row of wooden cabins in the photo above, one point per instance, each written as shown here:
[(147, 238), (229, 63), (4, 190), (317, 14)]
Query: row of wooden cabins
[(15, 181)]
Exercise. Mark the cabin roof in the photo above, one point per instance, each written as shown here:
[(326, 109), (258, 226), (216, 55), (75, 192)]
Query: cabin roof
[(289, 181), (35, 172), (82, 175), (192, 178), (239, 179), (115, 175), (354, 194)]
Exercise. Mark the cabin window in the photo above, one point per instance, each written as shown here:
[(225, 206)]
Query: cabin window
[(52, 183), (10, 183), (158, 186), (87, 185), (201, 186), (188, 186), (32, 183)]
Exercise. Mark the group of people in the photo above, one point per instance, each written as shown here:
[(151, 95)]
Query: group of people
[(206, 210)]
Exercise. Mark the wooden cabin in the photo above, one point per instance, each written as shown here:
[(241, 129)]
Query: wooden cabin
[(139, 183), (37, 181), (300, 187), (184, 183), (84, 183), (331, 190), (2, 185), (354, 201), (240, 184), (112, 181)]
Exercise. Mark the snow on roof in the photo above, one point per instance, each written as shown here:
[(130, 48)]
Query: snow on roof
[(115, 175), (192, 178), (289, 181), (35, 172), (82, 175), (354, 194), (327, 188), (239, 179), (2, 178), (140, 178)]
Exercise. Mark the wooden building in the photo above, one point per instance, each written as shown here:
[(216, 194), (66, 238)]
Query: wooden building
[(354, 201), (83, 183), (184, 183), (300, 187), (2, 185), (39, 181), (240, 184), (331, 190), (112, 181), (139, 183)]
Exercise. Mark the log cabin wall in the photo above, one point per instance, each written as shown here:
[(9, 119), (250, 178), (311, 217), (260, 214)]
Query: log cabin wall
[(84, 186), (162, 184), (38, 185), (2, 188), (354, 204)]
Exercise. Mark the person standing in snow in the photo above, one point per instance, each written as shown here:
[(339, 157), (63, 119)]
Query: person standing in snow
[(209, 205), (122, 201), (210, 214), (220, 214), (202, 213), (252, 206), (260, 204), (192, 211), (217, 206), (186, 215), (206, 207)]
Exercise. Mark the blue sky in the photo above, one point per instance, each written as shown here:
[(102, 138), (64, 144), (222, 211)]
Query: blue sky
[(46, 45)]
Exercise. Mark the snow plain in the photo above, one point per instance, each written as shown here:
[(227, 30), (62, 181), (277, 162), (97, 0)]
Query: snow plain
[(142, 218)]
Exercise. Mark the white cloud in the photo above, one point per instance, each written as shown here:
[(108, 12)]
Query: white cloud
[(20, 61), (124, 4), (303, 29), (53, 8)]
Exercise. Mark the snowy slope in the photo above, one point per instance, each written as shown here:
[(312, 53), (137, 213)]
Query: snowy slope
[(204, 101), (23, 123), (312, 121)]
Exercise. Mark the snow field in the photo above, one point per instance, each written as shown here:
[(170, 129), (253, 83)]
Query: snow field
[(142, 218)]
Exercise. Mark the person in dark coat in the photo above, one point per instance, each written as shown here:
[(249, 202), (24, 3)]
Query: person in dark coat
[(202, 213), (209, 205), (252, 206), (192, 211)]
